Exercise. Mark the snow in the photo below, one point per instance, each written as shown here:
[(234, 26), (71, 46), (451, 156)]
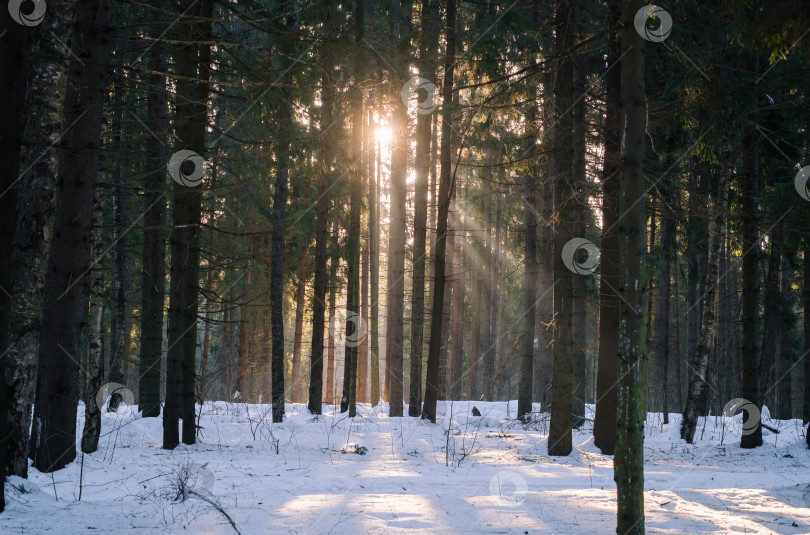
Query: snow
[(374, 474)]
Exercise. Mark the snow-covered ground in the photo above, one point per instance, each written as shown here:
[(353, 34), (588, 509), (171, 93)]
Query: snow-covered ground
[(374, 474)]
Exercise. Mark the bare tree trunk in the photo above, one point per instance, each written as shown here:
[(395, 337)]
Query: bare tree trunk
[(65, 297), (333, 291), (806, 326), (394, 303), (629, 457), (322, 211), (771, 318), (446, 306), (662, 316), (453, 390), (14, 395), (495, 363), (488, 357), (560, 428), (15, 65), (297, 379), (278, 217), (427, 70), (244, 330), (446, 186), (475, 335), (153, 279), (95, 369), (374, 253), (604, 425), (750, 285), (118, 326), (44, 100), (717, 230), (191, 123), (783, 383), (527, 365), (579, 287), (355, 331)]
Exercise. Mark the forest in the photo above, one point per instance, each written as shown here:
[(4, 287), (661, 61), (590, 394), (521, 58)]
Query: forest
[(404, 266)]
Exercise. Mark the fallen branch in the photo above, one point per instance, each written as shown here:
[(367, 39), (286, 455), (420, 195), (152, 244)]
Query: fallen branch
[(218, 507)]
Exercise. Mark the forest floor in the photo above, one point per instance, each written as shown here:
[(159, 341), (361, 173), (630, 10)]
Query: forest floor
[(374, 474)]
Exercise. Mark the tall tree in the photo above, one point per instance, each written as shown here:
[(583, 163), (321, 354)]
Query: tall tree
[(153, 279), (14, 61), (35, 186), (191, 124), (355, 330), (290, 14), (560, 429), (446, 185), (326, 158), (717, 230), (428, 45), (604, 428), (749, 189), (65, 302), (632, 225), (400, 25)]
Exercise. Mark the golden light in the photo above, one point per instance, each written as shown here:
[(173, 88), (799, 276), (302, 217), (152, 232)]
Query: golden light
[(383, 134)]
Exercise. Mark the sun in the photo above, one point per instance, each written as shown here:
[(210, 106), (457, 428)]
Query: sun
[(383, 134)]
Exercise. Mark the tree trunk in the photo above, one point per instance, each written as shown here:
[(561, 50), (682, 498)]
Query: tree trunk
[(629, 459), (14, 379), (446, 306), (772, 315), (666, 246), (446, 185), (786, 358), (453, 390), (394, 303), (717, 231), (749, 188), (475, 335), (355, 330), (95, 368), (244, 331), (191, 122), (44, 102), (428, 45), (488, 357), (118, 326), (153, 280), (604, 424), (333, 291), (806, 313), (579, 286), (278, 216), (374, 253), (559, 436), (65, 302), (322, 211), (297, 378)]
